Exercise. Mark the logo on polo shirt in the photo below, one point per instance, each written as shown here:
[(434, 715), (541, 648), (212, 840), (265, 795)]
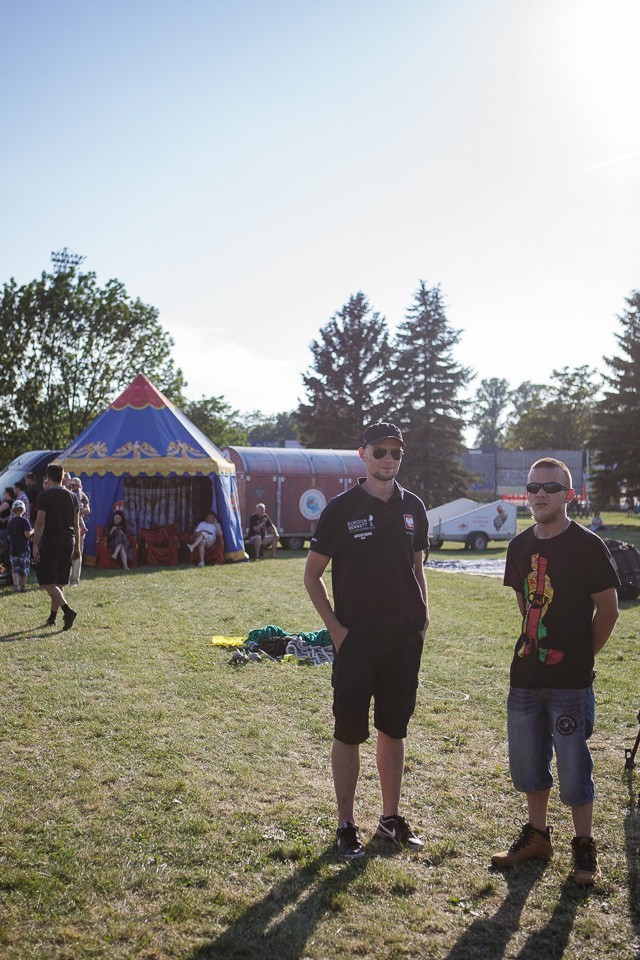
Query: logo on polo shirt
[(359, 529), (409, 522)]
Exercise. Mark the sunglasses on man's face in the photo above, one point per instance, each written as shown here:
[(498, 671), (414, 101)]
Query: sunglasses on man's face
[(380, 452), (550, 487)]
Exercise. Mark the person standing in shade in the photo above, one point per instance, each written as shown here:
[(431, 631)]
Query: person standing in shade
[(374, 535), (55, 542), (565, 584)]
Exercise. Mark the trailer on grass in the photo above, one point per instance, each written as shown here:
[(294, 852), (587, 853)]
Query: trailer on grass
[(472, 523), (294, 484)]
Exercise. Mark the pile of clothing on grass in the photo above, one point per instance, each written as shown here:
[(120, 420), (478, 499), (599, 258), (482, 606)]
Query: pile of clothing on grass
[(274, 643)]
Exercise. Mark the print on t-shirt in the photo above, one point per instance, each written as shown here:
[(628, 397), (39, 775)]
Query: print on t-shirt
[(538, 592)]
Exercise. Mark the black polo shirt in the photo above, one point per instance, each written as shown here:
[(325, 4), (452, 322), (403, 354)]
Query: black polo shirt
[(372, 545)]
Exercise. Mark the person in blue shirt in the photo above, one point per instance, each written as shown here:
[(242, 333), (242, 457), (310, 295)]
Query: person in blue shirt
[(19, 532)]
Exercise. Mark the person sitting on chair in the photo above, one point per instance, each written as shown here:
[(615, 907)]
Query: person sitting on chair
[(262, 532), (207, 532), (118, 540)]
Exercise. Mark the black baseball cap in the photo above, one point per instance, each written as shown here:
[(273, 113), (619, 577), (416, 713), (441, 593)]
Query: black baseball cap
[(376, 432)]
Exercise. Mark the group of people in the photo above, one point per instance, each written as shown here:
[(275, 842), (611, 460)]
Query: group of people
[(375, 535), (18, 519)]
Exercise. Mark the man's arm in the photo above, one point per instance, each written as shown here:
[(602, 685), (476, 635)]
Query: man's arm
[(315, 585), (76, 530), (37, 533), (520, 600), (606, 604), (418, 566)]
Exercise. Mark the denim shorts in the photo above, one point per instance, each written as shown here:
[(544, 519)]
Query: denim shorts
[(541, 721)]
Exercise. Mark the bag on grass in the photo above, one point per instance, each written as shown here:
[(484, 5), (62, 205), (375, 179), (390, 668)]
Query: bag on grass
[(626, 559)]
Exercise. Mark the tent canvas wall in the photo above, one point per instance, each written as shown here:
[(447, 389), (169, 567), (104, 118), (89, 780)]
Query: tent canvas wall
[(144, 452)]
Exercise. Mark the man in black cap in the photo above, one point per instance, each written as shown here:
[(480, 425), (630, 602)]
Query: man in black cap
[(374, 534)]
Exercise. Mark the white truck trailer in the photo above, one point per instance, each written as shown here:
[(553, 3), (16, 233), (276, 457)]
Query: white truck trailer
[(472, 523)]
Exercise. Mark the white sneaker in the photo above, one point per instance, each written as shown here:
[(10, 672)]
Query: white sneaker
[(201, 563)]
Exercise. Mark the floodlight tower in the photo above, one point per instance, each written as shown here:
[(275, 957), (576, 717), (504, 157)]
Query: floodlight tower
[(64, 261)]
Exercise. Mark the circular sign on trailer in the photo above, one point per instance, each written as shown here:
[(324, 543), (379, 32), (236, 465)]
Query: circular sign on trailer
[(312, 503)]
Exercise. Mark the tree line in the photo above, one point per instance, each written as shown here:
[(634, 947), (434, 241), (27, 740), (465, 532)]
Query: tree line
[(359, 372), (68, 346)]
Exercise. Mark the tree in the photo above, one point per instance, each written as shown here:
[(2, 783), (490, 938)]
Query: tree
[(271, 430), (489, 412), (67, 346), (427, 385), (347, 385), (615, 436), (217, 420), (558, 416)]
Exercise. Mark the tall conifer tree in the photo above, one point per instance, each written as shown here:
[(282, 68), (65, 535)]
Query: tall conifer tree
[(427, 388), (616, 436), (347, 384)]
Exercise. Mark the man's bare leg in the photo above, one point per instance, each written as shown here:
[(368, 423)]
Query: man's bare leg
[(345, 763), (390, 761)]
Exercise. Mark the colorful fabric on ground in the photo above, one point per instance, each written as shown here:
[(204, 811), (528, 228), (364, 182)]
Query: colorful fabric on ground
[(316, 638)]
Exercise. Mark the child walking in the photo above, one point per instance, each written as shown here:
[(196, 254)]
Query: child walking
[(19, 532)]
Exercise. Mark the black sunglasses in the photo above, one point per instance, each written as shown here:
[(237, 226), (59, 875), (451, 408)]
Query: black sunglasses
[(550, 487), (380, 452)]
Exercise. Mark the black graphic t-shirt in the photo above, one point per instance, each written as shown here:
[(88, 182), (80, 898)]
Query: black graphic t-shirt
[(372, 546), (556, 579)]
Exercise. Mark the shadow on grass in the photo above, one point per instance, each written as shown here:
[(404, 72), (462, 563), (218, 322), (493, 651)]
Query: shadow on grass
[(31, 633), (278, 926), (489, 937), (632, 838)]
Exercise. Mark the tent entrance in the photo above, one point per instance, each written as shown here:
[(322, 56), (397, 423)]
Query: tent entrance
[(161, 501)]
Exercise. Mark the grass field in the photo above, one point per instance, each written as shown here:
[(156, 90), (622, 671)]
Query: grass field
[(158, 803)]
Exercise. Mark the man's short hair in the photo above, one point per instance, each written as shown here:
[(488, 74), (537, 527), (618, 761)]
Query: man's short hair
[(17, 506), (54, 472), (30, 476), (550, 463)]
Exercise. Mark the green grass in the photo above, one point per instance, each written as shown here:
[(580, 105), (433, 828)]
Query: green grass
[(158, 803)]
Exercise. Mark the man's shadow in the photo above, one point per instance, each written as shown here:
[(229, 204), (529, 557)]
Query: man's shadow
[(34, 633), (487, 937), (632, 842), (278, 926)]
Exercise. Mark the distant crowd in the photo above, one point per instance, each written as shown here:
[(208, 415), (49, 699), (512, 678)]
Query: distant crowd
[(19, 502)]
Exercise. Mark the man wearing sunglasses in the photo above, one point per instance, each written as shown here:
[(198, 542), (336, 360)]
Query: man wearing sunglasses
[(565, 584), (374, 534)]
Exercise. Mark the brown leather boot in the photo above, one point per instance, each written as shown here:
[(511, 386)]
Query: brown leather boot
[(586, 869), (532, 844)]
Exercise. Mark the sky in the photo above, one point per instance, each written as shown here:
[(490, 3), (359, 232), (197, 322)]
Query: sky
[(247, 166)]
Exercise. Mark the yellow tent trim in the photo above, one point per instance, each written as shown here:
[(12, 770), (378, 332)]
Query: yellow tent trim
[(151, 466)]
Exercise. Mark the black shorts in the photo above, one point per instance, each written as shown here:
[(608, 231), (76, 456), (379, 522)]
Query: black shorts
[(385, 668), (54, 565)]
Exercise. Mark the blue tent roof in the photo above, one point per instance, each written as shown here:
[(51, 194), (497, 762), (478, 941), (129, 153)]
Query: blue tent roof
[(142, 433)]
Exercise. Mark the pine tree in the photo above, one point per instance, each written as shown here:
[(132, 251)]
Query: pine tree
[(347, 384), (616, 437), (428, 406)]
